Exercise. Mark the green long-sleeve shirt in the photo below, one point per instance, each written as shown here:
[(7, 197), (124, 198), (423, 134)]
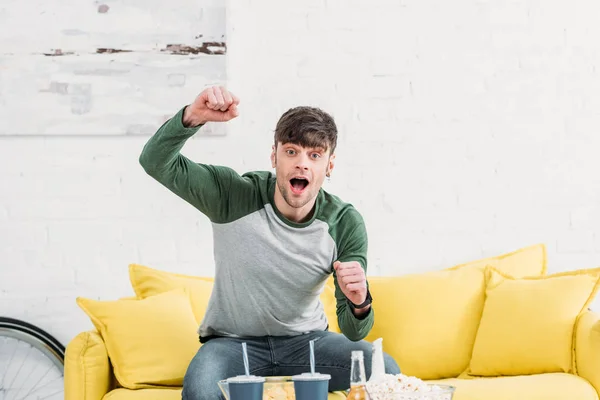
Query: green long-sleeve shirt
[(269, 271)]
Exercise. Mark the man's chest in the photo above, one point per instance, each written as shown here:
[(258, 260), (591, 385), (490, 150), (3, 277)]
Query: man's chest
[(259, 245)]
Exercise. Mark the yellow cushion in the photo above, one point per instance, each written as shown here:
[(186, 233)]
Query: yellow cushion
[(149, 282), (170, 394), (527, 261), (329, 305), (557, 386), (428, 321), (150, 341), (527, 326)]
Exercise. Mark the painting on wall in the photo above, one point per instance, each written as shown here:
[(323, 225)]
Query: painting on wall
[(106, 68)]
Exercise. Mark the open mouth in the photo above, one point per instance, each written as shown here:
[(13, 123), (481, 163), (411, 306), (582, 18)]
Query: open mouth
[(298, 184)]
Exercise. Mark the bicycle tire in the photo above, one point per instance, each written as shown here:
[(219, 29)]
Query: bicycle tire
[(36, 337)]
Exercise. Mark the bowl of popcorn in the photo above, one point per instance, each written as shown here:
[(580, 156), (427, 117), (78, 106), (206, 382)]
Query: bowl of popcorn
[(275, 388), (403, 387)]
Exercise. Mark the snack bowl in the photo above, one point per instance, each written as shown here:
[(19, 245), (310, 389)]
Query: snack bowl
[(275, 388), (431, 392)]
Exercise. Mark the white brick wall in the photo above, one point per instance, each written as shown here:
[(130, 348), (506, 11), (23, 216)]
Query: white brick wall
[(467, 129)]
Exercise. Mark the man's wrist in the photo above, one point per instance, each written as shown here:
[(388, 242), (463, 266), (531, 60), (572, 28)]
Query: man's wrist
[(188, 120), (367, 302), (359, 312)]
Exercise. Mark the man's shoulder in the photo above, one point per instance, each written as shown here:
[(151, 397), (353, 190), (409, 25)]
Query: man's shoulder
[(334, 202), (345, 222), (238, 194), (337, 212)]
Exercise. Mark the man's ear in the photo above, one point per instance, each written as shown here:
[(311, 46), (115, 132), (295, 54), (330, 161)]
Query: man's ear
[(273, 156), (331, 164)]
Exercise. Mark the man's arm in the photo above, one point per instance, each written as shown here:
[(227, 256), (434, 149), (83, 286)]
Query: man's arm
[(350, 280), (203, 186)]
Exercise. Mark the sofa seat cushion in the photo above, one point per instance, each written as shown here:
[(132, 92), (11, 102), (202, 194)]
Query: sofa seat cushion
[(144, 394), (554, 386), (168, 394)]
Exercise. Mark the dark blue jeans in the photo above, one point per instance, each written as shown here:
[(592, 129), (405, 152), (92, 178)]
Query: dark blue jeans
[(222, 358)]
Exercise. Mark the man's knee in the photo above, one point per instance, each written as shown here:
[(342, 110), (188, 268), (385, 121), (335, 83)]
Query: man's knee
[(202, 375), (391, 366), (199, 388)]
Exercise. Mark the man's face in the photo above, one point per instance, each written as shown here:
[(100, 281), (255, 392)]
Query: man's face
[(300, 171)]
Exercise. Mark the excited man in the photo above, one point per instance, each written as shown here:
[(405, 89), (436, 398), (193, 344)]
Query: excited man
[(277, 238)]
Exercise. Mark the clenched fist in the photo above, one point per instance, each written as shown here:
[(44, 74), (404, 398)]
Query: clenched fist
[(352, 280), (214, 104)]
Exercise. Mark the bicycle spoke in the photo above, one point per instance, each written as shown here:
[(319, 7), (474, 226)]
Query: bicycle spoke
[(50, 395), (31, 362), (9, 363), (21, 366), (21, 386), (46, 384), (34, 387)]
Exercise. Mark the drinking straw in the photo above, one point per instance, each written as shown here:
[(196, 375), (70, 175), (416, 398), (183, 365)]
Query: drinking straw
[(312, 357), (246, 366)]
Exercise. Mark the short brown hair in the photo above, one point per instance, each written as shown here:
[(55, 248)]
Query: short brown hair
[(307, 127)]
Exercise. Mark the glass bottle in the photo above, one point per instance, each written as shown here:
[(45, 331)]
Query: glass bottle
[(358, 380), (377, 361)]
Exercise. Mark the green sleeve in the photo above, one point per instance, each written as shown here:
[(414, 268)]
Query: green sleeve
[(352, 245), (218, 192)]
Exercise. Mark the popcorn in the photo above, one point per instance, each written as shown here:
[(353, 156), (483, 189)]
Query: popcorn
[(403, 387)]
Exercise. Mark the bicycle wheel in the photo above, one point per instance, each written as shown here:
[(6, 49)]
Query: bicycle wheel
[(31, 362)]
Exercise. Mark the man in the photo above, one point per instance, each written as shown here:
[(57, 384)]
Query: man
[(277, 238)]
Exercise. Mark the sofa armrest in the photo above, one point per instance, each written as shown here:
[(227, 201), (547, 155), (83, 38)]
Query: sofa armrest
[(587, 348), (88, 373)]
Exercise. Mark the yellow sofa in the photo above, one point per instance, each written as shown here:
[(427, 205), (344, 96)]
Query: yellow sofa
[(499, 328)]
